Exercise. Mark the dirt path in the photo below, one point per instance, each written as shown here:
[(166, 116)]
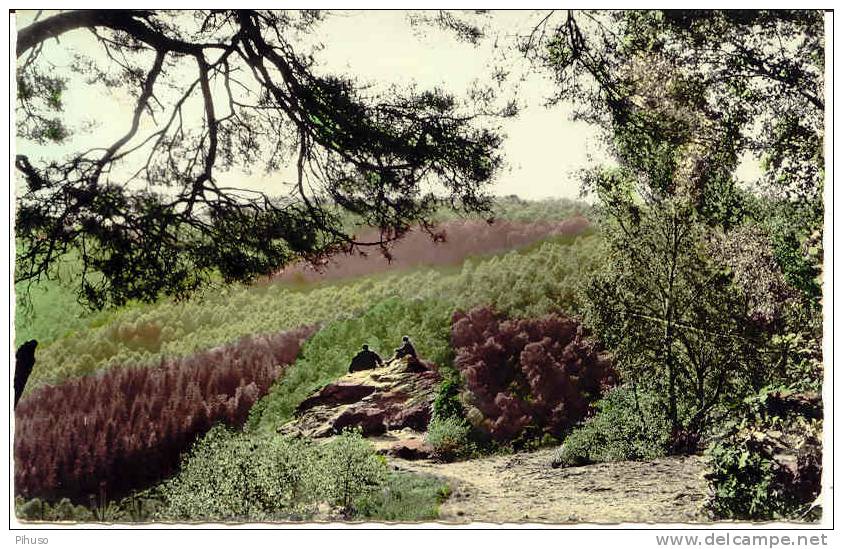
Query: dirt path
[(524, 488)]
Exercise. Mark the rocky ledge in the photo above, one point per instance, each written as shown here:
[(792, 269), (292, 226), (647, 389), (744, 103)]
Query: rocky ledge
[(396, 397)]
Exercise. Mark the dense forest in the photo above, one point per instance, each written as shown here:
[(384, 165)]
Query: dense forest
[(184, 331)]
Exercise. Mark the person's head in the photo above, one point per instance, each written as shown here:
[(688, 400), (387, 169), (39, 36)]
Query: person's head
[(405, 338), (365, 347)]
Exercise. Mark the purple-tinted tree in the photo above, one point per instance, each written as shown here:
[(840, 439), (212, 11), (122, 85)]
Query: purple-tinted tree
[(128, 427), (527, 376)]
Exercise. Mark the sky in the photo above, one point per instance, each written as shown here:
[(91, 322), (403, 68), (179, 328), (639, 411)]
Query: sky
[(543, 149)]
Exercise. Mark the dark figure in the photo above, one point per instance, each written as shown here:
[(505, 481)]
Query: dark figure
[(24, 363), (406, 349), (365, 360)]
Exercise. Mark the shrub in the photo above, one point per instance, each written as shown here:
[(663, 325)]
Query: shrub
[(61, 511), (447, 402), (350, 470), (127, 427), (231, 476), (138, 507), (450, 437), (404, 497), (626, 427), (767, 462), (529, 377)]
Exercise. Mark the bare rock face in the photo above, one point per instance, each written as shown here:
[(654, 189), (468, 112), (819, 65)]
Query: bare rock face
[(410, 449), (397, 396), (342, 392)]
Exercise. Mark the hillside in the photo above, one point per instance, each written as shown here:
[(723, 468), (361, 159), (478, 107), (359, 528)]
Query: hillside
[(536, 278), (195, 349), (238, 405)]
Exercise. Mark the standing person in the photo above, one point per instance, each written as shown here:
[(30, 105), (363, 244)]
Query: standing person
[(24, 363), (406, 349), (365, 360)]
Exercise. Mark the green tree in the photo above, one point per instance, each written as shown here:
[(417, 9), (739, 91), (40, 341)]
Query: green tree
[(744, 81), (676, 323), (261, 102), (682, 96)]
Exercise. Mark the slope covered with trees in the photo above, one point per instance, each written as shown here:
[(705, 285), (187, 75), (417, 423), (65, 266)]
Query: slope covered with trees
[(527, 282)]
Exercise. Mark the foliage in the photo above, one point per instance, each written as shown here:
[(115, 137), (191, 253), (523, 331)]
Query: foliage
[(795, 230), (513, 208), (749, 254), (232, 476), (404, 497), (60, 511), (695, 291), (714, 83), (351, 469), (327, 354), (268, 478), (376, 155), (447, 402), (450, 437), (532, 282), (49, 310), (127, 427), (526, 377), (136, 507), (766, 463), (629, 424), (449, 433), (674, 316)]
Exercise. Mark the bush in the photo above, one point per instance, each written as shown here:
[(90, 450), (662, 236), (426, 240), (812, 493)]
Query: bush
[(404, 497), (231, 476), (138, 507), (529, 377), (61, 511), (350, 470), (127, 427), (625, 427), (766, 464), (447, 402), (450, 437)]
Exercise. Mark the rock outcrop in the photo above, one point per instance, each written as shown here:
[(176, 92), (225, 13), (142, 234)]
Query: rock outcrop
[(397, 396)]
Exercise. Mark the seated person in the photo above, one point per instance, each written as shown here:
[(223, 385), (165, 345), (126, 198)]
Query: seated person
[(365, 360), (406, 349)]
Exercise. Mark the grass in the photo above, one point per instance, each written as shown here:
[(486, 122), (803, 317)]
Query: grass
[(407, 497)]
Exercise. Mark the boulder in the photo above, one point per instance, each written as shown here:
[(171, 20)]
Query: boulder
[(396, 396), (334, 394), (416, 417), (369, 419), (411, 449)]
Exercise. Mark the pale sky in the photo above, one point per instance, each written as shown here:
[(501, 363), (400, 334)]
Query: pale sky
[(543, 149)]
